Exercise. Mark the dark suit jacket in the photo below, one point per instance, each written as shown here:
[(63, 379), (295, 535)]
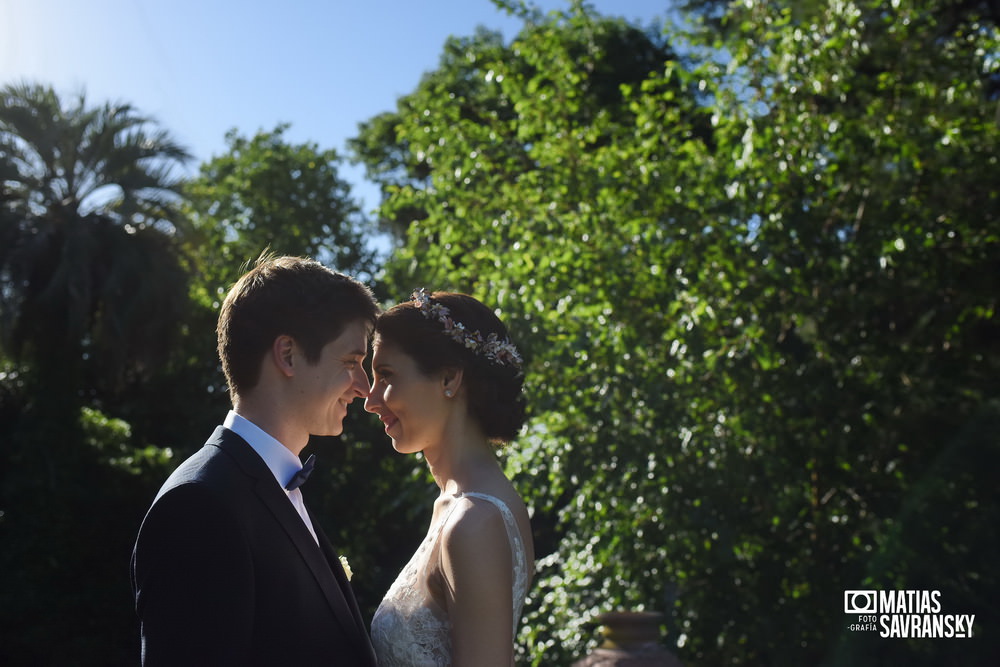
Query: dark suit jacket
[(225, 572)]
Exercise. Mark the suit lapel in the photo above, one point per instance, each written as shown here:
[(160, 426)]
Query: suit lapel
[(322, 565)]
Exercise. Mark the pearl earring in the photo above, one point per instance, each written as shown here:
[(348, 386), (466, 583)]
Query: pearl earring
[(447, 392)]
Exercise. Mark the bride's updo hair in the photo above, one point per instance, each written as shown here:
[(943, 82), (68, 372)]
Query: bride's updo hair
[(492, 373)]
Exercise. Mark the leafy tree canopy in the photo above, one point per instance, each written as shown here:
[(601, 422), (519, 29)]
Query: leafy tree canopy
[(89, 261), (92, 298), (267, 193), (757, 288)]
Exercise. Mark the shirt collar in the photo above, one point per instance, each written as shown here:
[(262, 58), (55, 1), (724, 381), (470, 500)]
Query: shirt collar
[(280, 460)]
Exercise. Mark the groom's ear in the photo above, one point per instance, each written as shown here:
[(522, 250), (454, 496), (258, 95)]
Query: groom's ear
[(283, 354)]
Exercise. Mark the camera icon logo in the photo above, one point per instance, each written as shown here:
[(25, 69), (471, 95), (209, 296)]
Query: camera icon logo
[(860, 602)]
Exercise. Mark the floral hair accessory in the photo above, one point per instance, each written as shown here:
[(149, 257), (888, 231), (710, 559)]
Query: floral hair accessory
[(498, 352)]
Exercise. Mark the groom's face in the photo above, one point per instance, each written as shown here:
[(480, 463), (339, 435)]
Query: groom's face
[(328, 386)]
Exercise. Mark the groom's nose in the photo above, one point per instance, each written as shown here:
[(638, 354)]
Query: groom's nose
[(360, 382)]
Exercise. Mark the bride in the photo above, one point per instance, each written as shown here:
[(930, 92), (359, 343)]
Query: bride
[(447, 383)]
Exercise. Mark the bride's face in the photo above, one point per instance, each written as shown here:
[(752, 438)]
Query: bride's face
[(409, 403)]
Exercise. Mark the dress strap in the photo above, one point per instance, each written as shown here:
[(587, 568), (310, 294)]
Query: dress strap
[(493, 499), (518, 553), (505, 512)]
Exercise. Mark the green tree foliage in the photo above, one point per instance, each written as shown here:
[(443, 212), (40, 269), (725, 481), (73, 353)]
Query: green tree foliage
[(92, 293), (411, 151), (267, 193), (89, 267), (757, 288)]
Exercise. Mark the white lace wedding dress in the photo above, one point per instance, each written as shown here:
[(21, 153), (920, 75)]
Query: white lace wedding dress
[(410, 629)]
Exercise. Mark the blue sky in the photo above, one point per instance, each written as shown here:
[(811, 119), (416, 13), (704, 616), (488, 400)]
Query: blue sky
[(202, 67)]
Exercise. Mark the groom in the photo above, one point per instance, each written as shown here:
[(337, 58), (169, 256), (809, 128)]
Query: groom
[(229, 567)]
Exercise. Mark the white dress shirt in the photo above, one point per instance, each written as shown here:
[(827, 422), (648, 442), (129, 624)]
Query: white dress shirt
[(280, 460)]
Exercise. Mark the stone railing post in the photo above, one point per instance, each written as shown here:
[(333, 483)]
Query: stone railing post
[(631, 639)]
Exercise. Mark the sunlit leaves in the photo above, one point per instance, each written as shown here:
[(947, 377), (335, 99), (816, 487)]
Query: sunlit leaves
[(739, 278), (266, 193)]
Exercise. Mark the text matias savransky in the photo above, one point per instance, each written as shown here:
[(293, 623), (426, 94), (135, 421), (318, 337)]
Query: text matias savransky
[(905, 614)]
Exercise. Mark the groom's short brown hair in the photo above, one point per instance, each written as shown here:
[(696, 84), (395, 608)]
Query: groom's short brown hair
[(290, 296)]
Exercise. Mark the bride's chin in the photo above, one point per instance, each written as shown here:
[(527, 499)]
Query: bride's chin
[(404, 447)]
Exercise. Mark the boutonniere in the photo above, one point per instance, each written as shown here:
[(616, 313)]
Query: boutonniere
[(347, 567)]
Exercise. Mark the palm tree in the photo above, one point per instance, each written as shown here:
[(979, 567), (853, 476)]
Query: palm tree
[(89, 276), (92, 292)]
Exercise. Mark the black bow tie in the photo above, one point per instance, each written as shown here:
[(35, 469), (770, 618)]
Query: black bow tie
[(299, 478)]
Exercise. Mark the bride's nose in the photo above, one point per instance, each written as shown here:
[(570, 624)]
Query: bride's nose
[(373, 401)]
